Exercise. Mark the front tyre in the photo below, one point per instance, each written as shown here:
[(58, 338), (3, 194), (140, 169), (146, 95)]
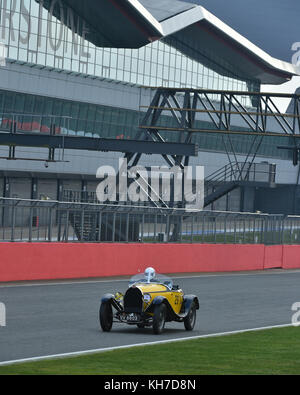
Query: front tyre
[(106, 317), (190, 319), (159, 318)]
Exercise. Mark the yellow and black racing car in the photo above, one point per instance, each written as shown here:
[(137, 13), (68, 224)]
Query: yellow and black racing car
[(150, 300)]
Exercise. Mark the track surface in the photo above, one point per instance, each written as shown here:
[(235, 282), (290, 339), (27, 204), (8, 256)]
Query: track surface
[(49, 319)]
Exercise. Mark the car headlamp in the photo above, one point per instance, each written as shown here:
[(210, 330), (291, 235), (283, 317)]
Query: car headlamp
[(119, 296)]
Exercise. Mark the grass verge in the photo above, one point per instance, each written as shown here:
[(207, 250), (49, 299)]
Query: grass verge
[(274, 351)]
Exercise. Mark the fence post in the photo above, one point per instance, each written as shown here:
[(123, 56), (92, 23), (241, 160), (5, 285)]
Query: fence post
[(99, 225), (30, 223), (66, 232), (127, 228), (13, 219), (81, 225), (192, 230), (215, 229), (142, 229), (180, 227), (282, 230), (50, 224), (114, 228), (155, 226), (203, 227)]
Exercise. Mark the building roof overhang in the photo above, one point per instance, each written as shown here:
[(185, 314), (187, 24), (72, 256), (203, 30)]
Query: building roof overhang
[(188, 27)]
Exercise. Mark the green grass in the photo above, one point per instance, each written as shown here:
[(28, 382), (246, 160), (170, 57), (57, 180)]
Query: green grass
[(275, 351)]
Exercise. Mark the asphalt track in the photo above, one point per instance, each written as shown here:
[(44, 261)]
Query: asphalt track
[(57, 318)]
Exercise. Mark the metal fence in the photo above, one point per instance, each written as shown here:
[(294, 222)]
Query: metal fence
[(52, 221)]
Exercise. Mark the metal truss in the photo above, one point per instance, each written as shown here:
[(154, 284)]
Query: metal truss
[(44, 132), (227, 113), (230, 112), (183, 113), (150, 126)]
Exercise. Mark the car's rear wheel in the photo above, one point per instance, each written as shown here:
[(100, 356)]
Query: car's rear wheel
[(106, 317), (190, 319), (159, 318)]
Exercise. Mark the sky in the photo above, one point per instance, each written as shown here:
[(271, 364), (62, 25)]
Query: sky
[(275, 34)]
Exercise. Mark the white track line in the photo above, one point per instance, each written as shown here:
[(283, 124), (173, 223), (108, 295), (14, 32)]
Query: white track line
[(100, 350), (48, 283)]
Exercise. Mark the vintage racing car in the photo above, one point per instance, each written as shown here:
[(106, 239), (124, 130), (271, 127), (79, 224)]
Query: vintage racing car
[(150, 300)]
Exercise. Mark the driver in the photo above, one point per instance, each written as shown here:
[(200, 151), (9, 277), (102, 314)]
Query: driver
[(150, 274)]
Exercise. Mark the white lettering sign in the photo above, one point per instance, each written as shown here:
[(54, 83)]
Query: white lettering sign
[(19, 25), (2, 315)]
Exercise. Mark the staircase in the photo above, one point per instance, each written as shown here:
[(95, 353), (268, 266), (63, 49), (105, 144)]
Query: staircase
[(91, 226), (234, 175), (84, 225)]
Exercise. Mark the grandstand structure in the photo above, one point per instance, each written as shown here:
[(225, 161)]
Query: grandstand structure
[(159, 82)]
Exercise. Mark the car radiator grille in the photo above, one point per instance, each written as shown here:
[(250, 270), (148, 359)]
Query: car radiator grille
[(133, 301)]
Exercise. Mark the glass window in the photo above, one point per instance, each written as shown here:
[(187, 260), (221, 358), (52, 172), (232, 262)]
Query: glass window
[(9, 102), (48, 106), (29, 104), (57, 107), (75, 110), (1, 101), (66, 109), (19, 103), (117, 122), (91, 112), (83, 110), (81, 126), (107, 115)]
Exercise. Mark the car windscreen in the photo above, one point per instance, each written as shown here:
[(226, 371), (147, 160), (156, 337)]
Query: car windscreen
[(158, 279)]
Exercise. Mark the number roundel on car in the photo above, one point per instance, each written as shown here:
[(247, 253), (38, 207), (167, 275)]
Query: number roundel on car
[(147, 298)]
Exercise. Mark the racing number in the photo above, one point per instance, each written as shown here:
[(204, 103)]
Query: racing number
[(177, 300)]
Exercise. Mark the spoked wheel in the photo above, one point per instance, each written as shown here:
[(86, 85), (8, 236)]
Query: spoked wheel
[(190, 319), (159, 319), (106, 317)]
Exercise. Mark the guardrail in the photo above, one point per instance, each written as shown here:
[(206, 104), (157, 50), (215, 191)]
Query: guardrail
[(24, 220)]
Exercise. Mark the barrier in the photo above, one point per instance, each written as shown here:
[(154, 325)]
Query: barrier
[(291, 257), (273, 257), (42, 261)]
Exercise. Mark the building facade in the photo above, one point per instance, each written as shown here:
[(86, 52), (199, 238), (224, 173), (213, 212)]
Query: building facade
[(54, 68)]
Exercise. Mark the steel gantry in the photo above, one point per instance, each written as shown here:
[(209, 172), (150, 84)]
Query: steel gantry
[(179, 114), (169, 127), (53, 132), (230, 112)]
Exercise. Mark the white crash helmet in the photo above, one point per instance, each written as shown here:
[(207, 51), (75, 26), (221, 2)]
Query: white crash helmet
[(149, 274)]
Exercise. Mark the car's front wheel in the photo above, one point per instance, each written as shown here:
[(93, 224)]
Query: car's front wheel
[(190, 319), (159, 318), (106, 317)]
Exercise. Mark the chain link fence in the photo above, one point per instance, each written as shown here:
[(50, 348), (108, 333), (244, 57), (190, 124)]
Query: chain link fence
[(52, 221)]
